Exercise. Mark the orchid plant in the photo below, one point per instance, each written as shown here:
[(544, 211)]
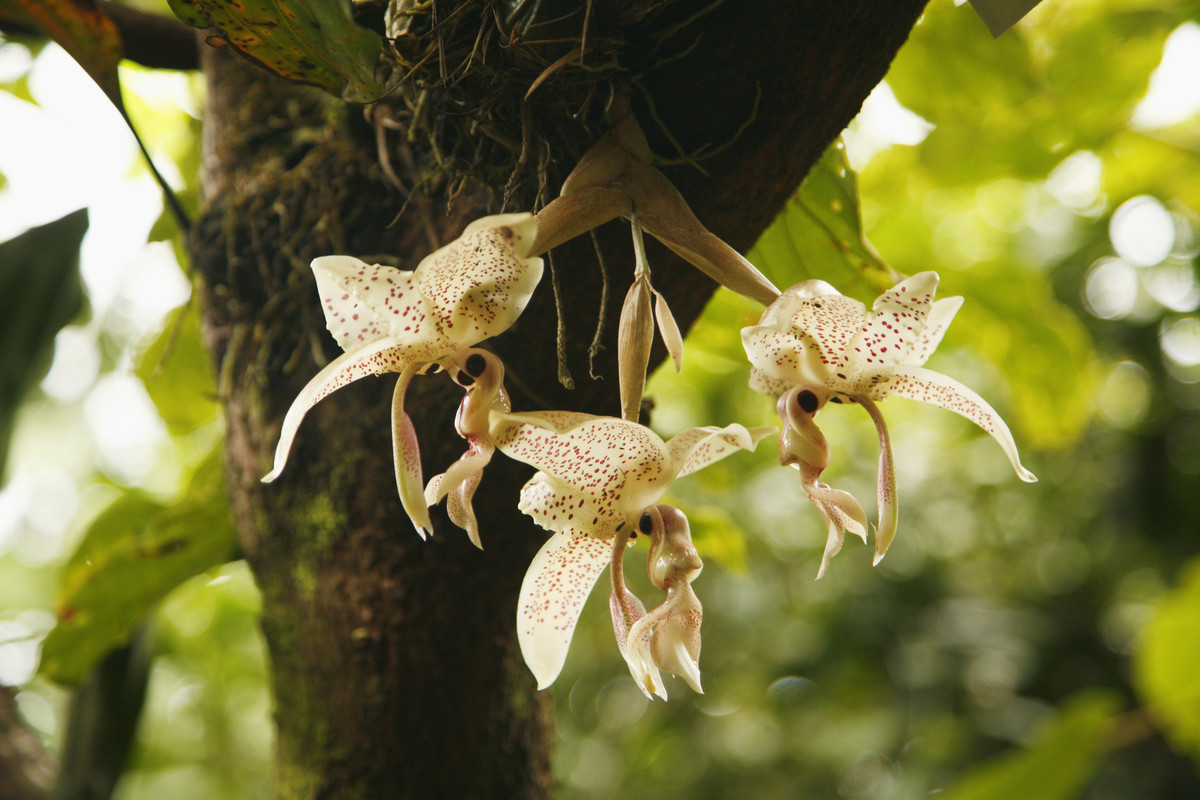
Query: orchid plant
[(600, 479), (597, 477), (392, 320), (814, 345)]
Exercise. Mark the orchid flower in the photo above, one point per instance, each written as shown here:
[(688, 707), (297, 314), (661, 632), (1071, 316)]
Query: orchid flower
[(814, 345), (391, 320), (669, 636), (597, 476)]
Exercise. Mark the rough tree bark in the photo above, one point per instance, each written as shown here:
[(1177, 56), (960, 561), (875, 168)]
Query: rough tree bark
[(395, 664)]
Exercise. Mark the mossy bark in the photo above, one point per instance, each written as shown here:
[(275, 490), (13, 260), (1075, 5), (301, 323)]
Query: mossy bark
[(395, 665)]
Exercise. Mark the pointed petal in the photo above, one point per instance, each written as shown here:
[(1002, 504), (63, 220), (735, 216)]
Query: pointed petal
[(668, 329), (481, 282), (407, 453), (595, 455), (461, 510), (553, 593), (458, 484), (640, 659), (927, 386), (372, 359), (695, 448), (890, 334), (889, 508), (675, 645), (940, 317), (363, 302)]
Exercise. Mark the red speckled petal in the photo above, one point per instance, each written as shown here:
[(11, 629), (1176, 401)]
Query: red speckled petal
[(621, 465), (558, 506), (364, 302), (696, 448), (480, 283), (940, 317), (918, 383), (372, 359), (889, 333), (555, 588), (802, 337)]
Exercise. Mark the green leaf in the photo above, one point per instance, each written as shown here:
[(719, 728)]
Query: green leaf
[(178, 375), (1061, 758), (307, 41), (819, 234), (135, 552), (40, 292), (1165, 672)]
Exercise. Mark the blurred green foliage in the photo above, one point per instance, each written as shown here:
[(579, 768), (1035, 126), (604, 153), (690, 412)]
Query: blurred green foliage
[(1015, 636)]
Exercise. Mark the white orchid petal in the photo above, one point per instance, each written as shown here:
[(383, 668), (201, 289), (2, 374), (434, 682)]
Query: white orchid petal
[(621, 466), (558, 506), (802, 338), (552, 595), (371, 359), (940, 317), (927, 386), (481, 282), (889, 334), (695, 448), (407, 453), (366, 302)]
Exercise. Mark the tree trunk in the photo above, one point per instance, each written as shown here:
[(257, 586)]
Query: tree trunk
[(395, 664)]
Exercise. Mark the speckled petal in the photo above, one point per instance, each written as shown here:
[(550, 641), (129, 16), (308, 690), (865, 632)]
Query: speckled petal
[(364, 302), (407, 454), (888, 334), (802, 337), (940, 317), (621, 465), (558, 506), (927, 386), (481, 282), (372, 359), (553, 593), (696, 448)]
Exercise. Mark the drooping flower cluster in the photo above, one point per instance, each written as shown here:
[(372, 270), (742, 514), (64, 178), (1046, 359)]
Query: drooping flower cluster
[(814, 345), (600, 479)]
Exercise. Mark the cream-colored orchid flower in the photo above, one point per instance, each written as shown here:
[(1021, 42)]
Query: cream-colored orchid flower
[(391, 320), (597, 476), (814, 345), (669, 636)]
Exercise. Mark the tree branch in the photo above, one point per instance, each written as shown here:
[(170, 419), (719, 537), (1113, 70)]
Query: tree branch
[(25, 769)]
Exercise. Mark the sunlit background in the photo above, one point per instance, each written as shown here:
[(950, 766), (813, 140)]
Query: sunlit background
[(1051, 176)]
